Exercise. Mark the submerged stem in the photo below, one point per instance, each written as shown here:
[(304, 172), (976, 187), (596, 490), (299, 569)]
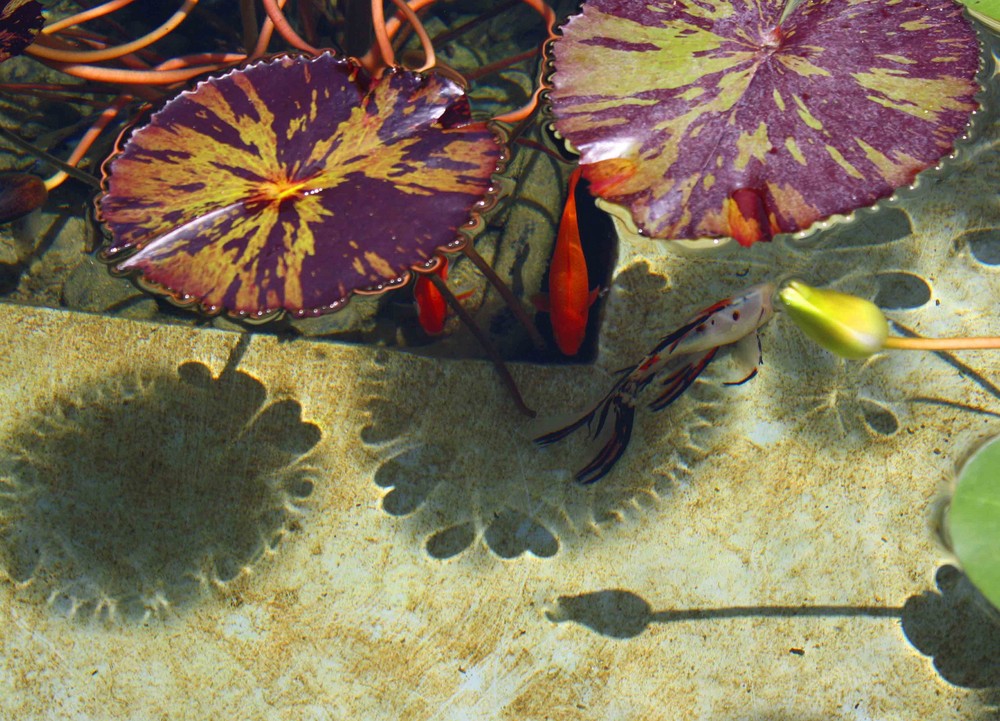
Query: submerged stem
[(484, 341), (937, 344), (507, 295), (49, 158)]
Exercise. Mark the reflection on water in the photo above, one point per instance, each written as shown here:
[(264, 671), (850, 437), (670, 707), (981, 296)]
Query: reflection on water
[(128, 499)]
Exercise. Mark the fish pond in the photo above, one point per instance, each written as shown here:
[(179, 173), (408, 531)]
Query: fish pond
[(253, 463)]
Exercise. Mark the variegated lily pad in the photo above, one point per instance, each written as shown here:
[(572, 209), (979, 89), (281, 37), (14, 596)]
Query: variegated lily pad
[(20, 21), (290, 184), (719, 118)]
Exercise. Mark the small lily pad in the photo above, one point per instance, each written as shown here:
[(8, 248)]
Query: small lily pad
[(974, 520)]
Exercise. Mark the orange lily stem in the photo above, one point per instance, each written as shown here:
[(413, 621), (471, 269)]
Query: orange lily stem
[(88, 140), (549, 16), (95, 56), (386, 29), (263, 40), (52, 160), (381, 55), (80, 18), (273, 9), (418, 27), (140, 77), (937, 344), (484, 341)]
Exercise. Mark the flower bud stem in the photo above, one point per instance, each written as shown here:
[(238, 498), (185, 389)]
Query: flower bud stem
[(897, 343)]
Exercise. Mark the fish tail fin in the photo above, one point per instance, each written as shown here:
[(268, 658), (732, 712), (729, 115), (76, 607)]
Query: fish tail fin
[(680, 380), (562, 431), (598, 411), (621, 409)]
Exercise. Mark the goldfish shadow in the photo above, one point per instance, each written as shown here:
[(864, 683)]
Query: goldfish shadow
[(620, 614), (959, 629), (130, 498)]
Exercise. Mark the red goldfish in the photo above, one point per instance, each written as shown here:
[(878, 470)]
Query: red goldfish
[(431, 307), (569, 297)]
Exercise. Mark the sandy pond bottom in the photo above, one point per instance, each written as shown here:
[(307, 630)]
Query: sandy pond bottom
[(194, 525), (191, 526)]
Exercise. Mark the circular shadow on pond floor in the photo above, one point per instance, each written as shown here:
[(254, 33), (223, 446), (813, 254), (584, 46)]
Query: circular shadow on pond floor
[(129, 499)]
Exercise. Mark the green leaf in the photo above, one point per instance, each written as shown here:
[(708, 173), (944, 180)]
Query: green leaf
[(974, 520), (986, 10)]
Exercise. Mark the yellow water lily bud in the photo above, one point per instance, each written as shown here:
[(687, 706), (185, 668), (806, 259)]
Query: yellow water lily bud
[(847, 325)]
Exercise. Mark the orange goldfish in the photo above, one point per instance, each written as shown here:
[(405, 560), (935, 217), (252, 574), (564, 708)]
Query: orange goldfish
[(569, 297), (749, 220)]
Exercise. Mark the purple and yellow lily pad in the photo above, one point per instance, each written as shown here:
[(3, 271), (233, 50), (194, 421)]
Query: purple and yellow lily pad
[(291, 184), (721, 118), (20, 21)]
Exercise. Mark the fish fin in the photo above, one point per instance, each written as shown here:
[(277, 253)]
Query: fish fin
[(599, 412), (594, 295), (680, 380), (622, 409), (747, 355), (562, 429), (741, 381), (623, 371), (541, 302)]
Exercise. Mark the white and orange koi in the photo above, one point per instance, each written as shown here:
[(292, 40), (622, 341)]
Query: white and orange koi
[(683, 355)]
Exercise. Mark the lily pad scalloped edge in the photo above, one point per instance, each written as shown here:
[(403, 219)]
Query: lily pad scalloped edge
[(496, 189), (617, 207)]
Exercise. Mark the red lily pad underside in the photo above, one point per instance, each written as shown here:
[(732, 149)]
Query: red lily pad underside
[(291, 184), (696, 115)]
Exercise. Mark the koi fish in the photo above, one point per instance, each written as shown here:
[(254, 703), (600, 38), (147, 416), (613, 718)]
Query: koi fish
[(682, 356), (569, 297)]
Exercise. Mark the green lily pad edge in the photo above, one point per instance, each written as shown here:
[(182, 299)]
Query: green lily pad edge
[(986, 11), (974, 520)]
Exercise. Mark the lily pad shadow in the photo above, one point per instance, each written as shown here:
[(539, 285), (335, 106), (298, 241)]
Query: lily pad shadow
[(457, 461), (130, 499), (959, 629)]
